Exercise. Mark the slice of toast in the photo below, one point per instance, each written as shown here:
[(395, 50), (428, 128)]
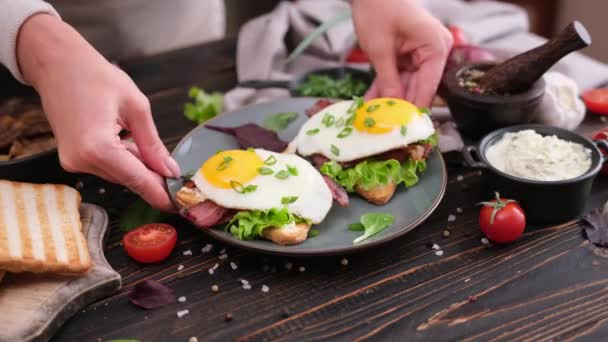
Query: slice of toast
[(379, 195), (288, 235), (40, 229)]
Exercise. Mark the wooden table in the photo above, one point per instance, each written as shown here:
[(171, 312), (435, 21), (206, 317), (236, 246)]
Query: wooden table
[(551, 284)]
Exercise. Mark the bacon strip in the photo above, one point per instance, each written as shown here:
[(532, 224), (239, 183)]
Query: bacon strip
[(338, 193), (206, 214), (318, 106)]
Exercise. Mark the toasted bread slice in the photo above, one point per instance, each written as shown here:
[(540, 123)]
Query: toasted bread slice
[(40, 229), (188, 197), (379, 195), (289, 235)]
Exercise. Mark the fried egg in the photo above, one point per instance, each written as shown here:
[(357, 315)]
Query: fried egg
[(350, 130), (262, 180)]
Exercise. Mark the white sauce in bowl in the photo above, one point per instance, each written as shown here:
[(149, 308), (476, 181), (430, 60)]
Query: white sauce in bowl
[(529, 155)]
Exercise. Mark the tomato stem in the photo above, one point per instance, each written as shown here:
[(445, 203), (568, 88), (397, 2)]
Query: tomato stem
[(497, 206)]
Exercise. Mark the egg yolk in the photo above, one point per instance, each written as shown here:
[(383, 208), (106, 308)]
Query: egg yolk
[(227, 167), (382, 115)]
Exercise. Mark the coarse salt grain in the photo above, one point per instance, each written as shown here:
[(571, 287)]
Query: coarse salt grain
[(181, 299), (233, 266), (188, 252), (211, 271), (435, 246), (215, 288), (439, 253), (193, 339), (288, 266), (485, 241), (467, 280), (182, 313), (459, 178), (302, 269), (459, 210), (451, 218), (344, 262), (223, 256), (244, 282), (223, 251), (208, 247), (247, 286), (265, 288), (180, 267), (101, 191)]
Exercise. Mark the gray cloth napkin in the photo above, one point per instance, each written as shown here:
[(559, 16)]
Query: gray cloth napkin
[(263, 47)]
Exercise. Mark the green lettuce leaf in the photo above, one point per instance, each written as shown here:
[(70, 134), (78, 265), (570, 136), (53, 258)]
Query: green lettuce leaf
[(279, 121), (432, 140), (249, 225), (371, 173), (373, 223), (204, 105)]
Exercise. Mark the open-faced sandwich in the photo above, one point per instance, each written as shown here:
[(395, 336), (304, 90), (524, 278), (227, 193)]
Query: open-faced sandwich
[(368, 147), (257, 194)]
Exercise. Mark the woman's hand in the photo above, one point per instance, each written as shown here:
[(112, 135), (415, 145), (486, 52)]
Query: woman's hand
[(407, 46), (88, 101)]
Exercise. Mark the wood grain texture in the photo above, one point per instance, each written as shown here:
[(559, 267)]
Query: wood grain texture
[(34, 306), (551, 284)]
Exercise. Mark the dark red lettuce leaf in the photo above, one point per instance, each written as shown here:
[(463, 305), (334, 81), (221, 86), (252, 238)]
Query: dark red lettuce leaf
[(253, 136), (318, 106), (150, 294), (597, 228), (338, 192)]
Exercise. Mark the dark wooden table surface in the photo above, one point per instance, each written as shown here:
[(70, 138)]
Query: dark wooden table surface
[(551, 284)]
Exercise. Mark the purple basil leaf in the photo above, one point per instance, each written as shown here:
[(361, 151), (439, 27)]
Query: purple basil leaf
[(253, 136), (150, 294), (597, 229)]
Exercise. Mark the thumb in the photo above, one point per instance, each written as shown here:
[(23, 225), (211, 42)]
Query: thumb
[(139, 122), (387, 80)]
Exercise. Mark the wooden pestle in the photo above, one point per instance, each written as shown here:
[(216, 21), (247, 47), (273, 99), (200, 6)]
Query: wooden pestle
[(518, 73)]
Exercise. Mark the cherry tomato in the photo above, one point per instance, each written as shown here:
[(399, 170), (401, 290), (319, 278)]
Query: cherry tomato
[(458, 36), (502, 220), (602, 135), (596, 100), (150, 243), (357, 55)]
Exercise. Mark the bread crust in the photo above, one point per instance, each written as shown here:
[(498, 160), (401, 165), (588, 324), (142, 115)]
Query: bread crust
[(379, 194), (188, 197), (289, 235)]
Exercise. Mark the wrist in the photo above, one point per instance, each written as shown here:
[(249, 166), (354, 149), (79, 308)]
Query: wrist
[(45, 43)]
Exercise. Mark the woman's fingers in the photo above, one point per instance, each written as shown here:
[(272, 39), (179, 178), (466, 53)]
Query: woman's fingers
[(151, 148)]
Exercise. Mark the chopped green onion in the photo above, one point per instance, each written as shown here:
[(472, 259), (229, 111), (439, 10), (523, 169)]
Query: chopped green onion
[(289, 200), (345, 132), (369, 122), (391, 102), (238, 187), (312, 233), (218, 151), (250, 149), (270, 160), (335, 150), (292, 170), (373, 107), (282, 174), (403, 130), (313, 131), (350, 120), (339, 122), (265, 171), (224, 164), (359, 101), (328, 120), (425, 110)]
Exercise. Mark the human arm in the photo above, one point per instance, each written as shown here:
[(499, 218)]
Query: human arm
[(407, 46), (88, 102)]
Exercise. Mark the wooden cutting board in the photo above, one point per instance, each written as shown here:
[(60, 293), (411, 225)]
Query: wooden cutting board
[(34, 306)]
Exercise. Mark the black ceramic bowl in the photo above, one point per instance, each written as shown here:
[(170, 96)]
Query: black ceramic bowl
[(543, 202), (477, 115)]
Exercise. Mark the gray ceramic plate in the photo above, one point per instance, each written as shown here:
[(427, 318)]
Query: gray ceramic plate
[(410, 207)]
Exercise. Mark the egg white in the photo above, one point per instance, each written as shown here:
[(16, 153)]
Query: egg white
[(314, 196), (357, 144)]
